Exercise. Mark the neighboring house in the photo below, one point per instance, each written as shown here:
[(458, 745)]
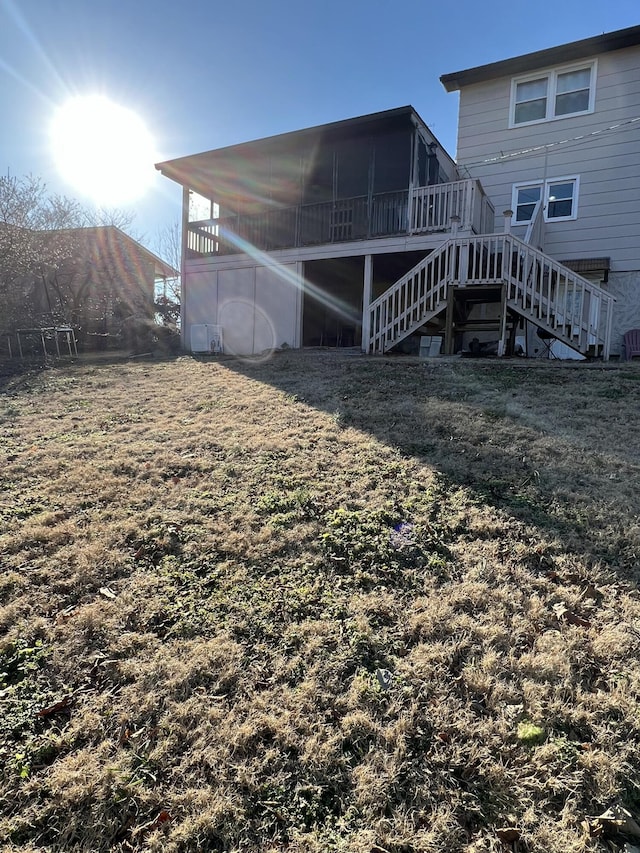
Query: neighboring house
[(102, 286), (556, 134), (365, 232)]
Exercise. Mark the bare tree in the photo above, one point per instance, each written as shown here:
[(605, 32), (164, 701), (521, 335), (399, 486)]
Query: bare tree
[(169, 248), (39, 239)]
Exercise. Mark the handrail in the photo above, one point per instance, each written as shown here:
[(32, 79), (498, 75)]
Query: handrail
[(418, 211), (534, 223), (409, 302), (573, 309)]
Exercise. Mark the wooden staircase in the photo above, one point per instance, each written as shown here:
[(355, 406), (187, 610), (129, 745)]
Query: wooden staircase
[(534, 286)]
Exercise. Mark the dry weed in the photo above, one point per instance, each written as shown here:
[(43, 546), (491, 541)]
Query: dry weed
[(308, 604)]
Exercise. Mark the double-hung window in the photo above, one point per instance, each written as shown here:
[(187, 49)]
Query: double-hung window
[(559, 198), (554, 94)]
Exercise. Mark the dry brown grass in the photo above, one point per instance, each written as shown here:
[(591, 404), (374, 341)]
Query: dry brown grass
[(308, 604)]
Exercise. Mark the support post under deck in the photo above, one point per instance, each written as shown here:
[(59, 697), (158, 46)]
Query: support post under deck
[(448, 323), (502, 342), (366, 302)]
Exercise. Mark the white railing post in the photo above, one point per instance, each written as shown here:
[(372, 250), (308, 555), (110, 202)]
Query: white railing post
[(507, 220), (455, 223), (410, 205), (469, 189)]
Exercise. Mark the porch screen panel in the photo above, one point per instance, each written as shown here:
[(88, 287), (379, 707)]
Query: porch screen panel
[(392, 162), (318, 182), (352, 187)]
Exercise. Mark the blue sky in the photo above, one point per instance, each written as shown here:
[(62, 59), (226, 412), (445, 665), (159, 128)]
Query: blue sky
[(205, 74)]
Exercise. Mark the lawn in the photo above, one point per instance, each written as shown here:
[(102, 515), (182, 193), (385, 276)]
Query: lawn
[(320, 603)]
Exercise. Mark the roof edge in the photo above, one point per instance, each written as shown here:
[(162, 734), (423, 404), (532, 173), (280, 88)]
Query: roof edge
[(395, 112), (561, 54)]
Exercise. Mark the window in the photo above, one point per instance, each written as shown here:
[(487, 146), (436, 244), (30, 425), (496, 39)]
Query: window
[(526, 200), (531, 100), (558, 195), (556, 94), (560, 200)]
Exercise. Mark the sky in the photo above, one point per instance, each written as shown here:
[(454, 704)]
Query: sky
[(203, 74)]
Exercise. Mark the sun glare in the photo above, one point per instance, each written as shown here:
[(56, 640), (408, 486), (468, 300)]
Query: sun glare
[(103, 150)]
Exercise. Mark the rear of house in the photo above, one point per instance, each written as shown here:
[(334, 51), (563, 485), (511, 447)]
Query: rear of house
[(366, 233), (287, 240), (555, 135)]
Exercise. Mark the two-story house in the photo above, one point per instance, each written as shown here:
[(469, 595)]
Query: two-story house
[(554, 136), (290, 239), (365, 232)]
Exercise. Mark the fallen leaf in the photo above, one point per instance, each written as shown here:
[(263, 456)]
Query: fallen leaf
[(61, 707), (562, 612), (508, 834), (108, 593), (592, 592), (126, 732)]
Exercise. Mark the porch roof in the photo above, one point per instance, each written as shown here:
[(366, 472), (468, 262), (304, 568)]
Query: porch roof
[(201, 171), (562, 54)]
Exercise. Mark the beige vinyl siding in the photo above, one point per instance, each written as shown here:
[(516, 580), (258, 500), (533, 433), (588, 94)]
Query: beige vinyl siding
[(608, 164)]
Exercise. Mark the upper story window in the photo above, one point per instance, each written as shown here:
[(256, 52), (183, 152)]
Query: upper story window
[(554, 94), (559, 198)]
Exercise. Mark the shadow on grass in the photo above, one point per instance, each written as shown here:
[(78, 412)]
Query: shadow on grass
[(554, 446)]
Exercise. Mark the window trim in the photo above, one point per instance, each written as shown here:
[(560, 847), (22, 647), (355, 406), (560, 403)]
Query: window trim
[(545, 186), (551, 76)]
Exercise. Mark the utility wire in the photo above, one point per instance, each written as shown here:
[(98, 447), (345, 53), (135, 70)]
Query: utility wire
[(528, 152)]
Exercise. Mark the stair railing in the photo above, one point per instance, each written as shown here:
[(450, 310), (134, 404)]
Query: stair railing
[(551, 295), (413, 299), (574, 309)]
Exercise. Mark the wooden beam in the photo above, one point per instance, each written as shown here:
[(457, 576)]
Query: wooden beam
[(502, 342), (448, 329)]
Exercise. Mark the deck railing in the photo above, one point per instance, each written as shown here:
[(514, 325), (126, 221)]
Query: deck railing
[(544, 291), (423, 210), (432, 208)]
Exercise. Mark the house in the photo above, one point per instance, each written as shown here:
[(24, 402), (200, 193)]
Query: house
[(554, 136), (97, 281), (288, 240), (366, 232)]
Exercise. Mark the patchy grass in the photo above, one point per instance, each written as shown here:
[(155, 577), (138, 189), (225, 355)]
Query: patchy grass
[(319, 603)]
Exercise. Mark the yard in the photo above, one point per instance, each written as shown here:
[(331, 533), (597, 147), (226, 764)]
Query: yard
[(320, 603)]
